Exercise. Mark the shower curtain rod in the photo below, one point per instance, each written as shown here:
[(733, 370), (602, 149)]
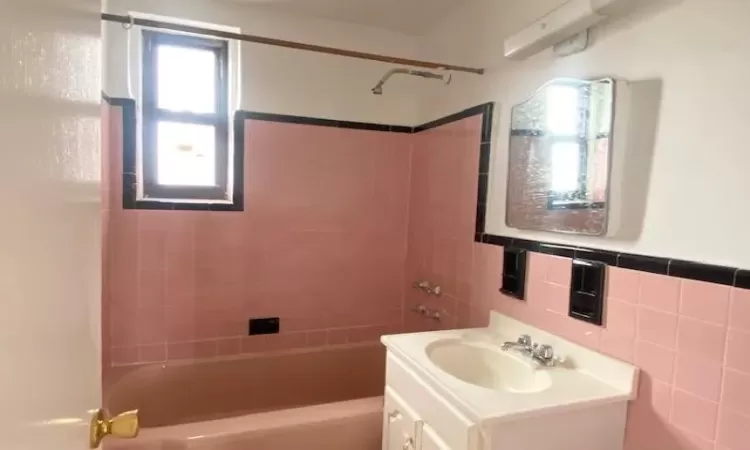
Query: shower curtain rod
[(129, 20)]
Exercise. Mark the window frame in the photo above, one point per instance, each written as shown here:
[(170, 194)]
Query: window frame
[(152, 115)]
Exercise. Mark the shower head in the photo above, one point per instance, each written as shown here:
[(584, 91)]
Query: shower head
[(378, 89)]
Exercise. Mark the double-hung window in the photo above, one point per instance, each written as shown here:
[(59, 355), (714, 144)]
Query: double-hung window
[(185, 146)]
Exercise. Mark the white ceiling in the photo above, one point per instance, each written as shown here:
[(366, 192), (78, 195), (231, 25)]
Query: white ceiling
[(405, 16)]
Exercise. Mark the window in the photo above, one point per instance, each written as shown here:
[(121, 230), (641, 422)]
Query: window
[(566, 162), (566, 127), (185, 153)]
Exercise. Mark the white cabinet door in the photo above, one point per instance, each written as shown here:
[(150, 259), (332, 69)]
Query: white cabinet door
[(430, 439), (401, 426), (50, 257)]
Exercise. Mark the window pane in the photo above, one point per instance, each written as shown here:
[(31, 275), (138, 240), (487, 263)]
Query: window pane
[(566, 163), (562, 110), (186, 79), (186, 154)]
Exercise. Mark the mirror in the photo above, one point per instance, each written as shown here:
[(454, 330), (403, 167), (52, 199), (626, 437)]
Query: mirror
[(559, 158)]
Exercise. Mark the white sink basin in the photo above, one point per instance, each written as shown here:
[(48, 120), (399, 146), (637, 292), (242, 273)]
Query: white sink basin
[(487, 366)]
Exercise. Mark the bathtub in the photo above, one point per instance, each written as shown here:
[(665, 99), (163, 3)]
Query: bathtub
[(327, 398)]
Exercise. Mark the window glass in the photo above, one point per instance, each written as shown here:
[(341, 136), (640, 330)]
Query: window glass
[(186, 154), (186, 79), (566, 166)]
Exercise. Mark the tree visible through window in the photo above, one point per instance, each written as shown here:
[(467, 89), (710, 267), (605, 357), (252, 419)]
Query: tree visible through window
[(185, 117)]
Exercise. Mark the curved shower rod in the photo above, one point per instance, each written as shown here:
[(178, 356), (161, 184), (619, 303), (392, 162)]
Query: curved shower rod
[(130, 20)]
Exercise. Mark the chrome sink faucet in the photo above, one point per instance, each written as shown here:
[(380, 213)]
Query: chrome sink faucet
[(523, 344), (541, 354)]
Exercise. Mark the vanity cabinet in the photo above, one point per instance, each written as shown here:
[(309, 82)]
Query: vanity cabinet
[(445, 392), (401, 426), (431, 440), (418, 418)]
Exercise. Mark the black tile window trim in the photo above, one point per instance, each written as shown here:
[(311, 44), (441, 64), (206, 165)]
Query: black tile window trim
[(130, 200), (728, 276), (129, 184)]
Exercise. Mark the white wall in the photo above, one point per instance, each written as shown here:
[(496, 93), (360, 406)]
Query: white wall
[(50, 263), (697, 198), (287, 81)]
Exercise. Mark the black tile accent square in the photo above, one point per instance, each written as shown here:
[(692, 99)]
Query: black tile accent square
[(702, 272), (587, 291), (514, 272)]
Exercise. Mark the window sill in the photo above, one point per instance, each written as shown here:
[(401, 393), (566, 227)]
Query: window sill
[(183, 205)]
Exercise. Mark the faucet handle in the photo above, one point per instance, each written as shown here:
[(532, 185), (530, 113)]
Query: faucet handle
[(545, 352), (525, 340)]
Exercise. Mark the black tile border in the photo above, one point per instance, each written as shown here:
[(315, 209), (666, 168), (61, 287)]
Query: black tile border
[(314, 121), (130, 200), (728, 276), (468, 112)]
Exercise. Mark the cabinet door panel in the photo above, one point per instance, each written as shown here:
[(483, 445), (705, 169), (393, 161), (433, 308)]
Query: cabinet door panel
[(430, 439), (401, 426)]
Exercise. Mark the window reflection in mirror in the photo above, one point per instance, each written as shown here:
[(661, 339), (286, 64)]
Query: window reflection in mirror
[(559, 157)]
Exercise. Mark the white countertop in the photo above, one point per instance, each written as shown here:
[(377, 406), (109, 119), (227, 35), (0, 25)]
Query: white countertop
[(587, 378)]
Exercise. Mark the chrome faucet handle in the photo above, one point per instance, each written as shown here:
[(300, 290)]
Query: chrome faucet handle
[(545, 355), (546, 352), (525, 340)]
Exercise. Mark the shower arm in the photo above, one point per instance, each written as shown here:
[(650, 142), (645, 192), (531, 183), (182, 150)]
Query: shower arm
[(378, 89)]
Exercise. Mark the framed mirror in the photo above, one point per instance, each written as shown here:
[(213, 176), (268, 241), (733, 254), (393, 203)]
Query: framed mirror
[(559, 158)]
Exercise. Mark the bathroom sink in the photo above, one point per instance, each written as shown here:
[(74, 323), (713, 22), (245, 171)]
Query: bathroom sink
[(487, 366)]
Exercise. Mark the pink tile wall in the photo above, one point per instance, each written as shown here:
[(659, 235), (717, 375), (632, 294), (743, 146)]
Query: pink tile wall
[(442, 211), (321, 244), (691, 339)]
